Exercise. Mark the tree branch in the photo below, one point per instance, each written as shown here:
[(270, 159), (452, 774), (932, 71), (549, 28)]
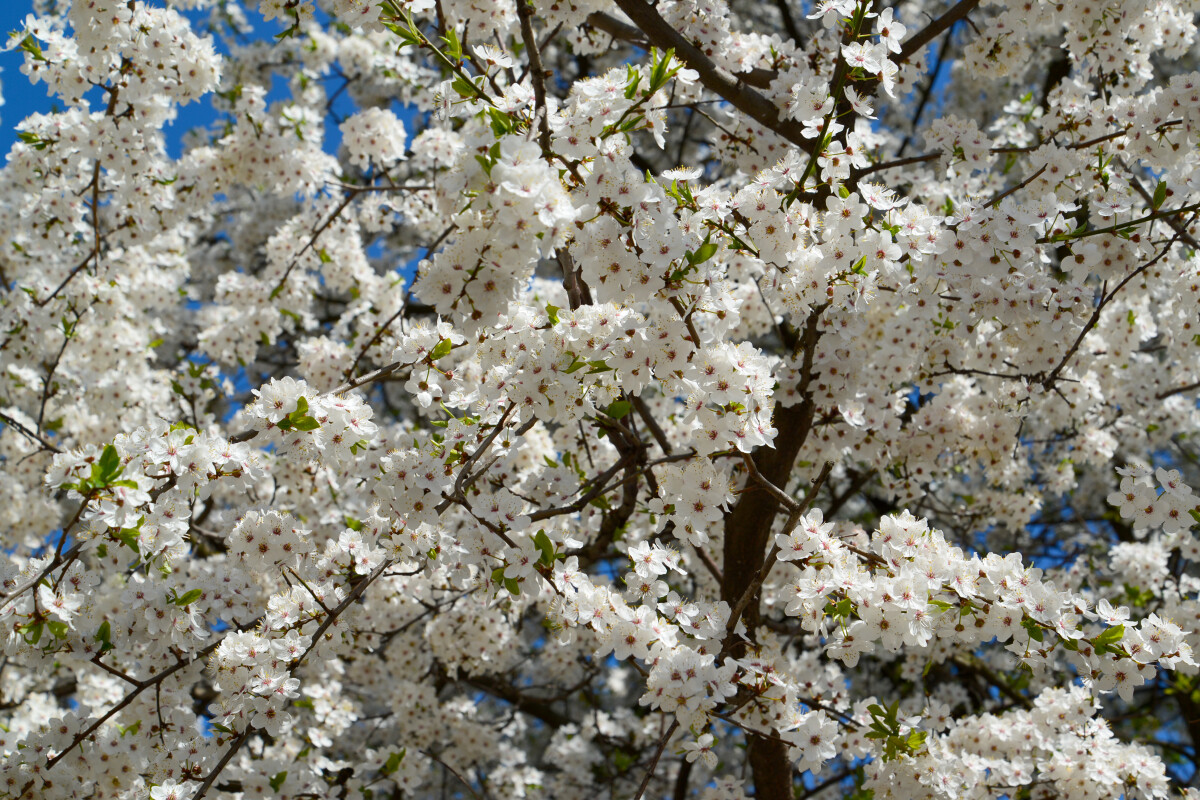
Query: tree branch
[(933, 29), (735, 89)]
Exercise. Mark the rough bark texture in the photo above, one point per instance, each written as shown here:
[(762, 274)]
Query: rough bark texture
[(747, 535)]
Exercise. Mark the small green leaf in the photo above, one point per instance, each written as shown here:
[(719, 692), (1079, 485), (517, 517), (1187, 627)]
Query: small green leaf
[(1109, 640), (32, 634), (441, 350), (277, 781), (703, 253), (30, 45), (545, 547), (1160, 195), (618, 409), (465, 88), (104, 632), (188, 598), (393, 762), (453, 46), (109, 463), (129, 538)]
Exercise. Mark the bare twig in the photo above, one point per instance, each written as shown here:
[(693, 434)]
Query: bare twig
[(662, 745), (931, 31)]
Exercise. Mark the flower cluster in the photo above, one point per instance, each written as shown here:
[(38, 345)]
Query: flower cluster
[(601, 398)]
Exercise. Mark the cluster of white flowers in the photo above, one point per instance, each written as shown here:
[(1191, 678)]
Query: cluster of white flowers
[(301, 423), (689, 398), (374, 135)]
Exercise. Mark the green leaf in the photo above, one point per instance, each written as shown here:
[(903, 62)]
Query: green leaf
[(1035, 630), (545, 547), (30, 45), (129, 538), (393, 762), (188, 598), (465, 88), (839, 608), (306, 424), (619, 409), (32, 634), (453, 46), (1108, 641), (552, 313), (441, 350), (633, 77), (1160, 194), (703, 253), (109, 463), (57, 629), (278, 780), (104, 632)]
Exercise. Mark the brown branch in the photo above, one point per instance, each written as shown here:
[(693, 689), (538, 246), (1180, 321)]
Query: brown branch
[(225, 759), (535, 707), (316, 234), (27, 433), (751, 591), (58, 561), (1177, 390), (900, 162), (734, 89), (656, 430), (662, 745), (536, 72), (1105, 299), (431, 754), (931, 31), (1175, 224), (375, 339), (995, 201)]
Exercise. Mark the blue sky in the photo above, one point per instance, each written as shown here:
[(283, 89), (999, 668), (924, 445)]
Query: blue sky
[(21, 98)]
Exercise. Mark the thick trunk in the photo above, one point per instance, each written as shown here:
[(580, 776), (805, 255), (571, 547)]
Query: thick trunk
[(747, 535)]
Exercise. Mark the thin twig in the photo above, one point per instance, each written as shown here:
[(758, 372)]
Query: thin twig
[(662, 745)]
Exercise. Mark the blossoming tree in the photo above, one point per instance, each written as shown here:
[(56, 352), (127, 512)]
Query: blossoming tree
[(701, 398)]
